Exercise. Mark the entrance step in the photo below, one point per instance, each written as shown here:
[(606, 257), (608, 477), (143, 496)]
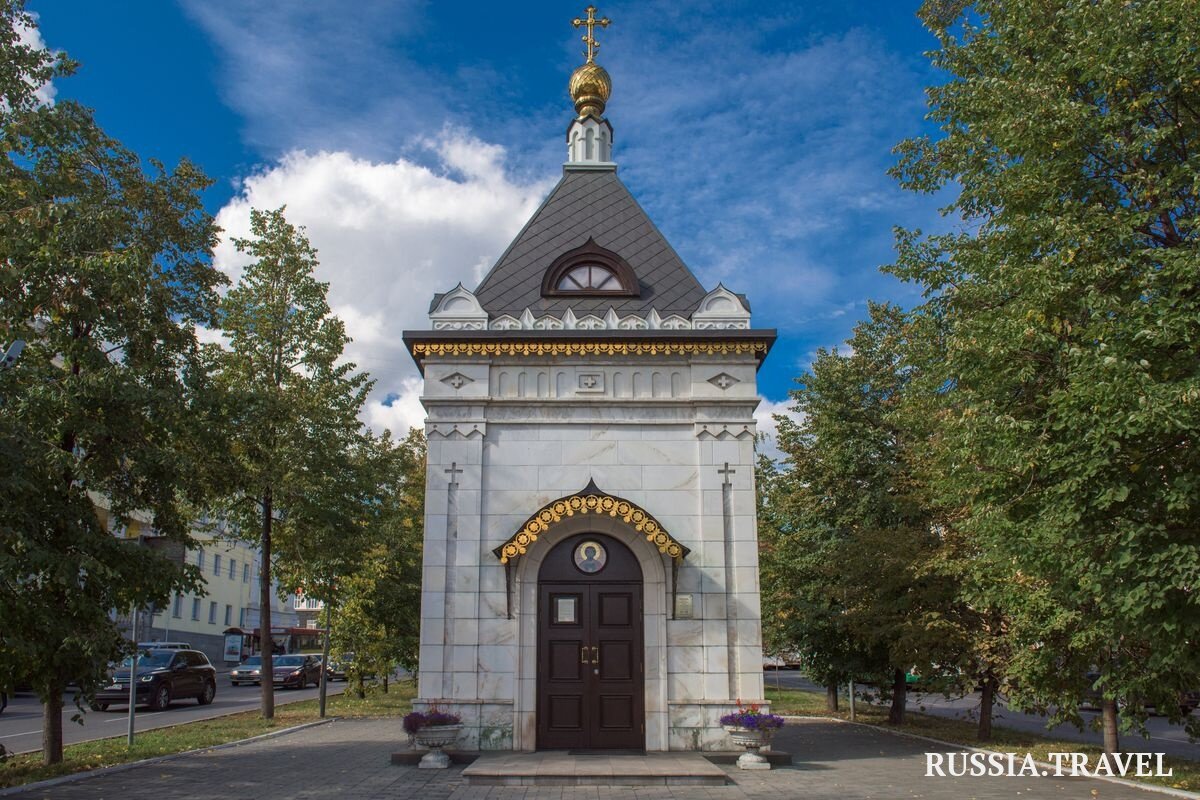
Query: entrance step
[(557, 768)]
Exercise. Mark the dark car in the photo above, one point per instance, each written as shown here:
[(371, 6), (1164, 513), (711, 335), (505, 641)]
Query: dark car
[(295, 671), (336, 671), (161, 676), (249, 671)]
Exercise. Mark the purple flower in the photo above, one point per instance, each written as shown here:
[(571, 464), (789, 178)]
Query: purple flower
[(753, 720), (424, 719)]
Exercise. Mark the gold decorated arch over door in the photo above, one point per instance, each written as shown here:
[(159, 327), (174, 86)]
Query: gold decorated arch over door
[(589, 501), (592, 500)]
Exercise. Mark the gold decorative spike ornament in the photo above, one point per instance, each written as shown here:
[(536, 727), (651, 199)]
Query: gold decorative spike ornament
[(549, 515), (590, 86)]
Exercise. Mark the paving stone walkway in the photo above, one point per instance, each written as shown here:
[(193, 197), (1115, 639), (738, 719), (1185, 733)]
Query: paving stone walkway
[(350, 760)]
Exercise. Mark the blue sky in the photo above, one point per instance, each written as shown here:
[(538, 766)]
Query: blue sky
[(414, 138)]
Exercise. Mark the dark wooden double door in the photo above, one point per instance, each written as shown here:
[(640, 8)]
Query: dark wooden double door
[(591, 683)]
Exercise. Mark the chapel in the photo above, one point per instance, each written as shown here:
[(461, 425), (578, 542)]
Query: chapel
[(590, 572)]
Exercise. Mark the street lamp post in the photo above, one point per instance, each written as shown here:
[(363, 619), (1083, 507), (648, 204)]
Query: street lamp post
[(132, 674)]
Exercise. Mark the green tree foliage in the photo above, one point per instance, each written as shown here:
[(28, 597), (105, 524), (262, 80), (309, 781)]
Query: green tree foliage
[(854, 530), (106, 275), (379, 607), (1070, 304), (291, 405)]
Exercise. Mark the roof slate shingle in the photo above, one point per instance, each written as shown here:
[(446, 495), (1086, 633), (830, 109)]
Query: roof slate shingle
[(592, 203)]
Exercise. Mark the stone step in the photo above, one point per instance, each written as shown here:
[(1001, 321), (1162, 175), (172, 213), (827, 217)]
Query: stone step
[(556, 768)]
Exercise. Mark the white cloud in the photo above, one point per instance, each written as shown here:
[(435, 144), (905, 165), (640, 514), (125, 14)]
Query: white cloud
[(768, 427), (32, 37), (388, 236)]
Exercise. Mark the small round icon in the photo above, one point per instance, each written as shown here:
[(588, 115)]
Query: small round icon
[(590, 556)]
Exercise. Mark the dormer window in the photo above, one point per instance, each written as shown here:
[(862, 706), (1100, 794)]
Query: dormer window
[(594, 277), (589, 270)]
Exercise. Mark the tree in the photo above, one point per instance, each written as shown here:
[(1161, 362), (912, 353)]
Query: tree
[(1069, 296), (379, 612), (106, 275), (292, 408), (802, 596), (859, 531), (361, 553)]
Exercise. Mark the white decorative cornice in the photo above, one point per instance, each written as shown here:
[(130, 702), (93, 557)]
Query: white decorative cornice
[(458, 310), (721, 309), (610, 321)]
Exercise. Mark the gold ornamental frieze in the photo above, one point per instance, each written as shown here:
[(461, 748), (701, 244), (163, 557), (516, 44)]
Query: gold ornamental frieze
[(593, 348), (590, 503)]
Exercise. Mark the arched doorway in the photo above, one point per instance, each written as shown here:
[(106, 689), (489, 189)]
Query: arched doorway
[(590, 647)]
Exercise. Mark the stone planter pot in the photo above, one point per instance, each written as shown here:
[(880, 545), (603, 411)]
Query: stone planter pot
[(753, 741), (436, 737)]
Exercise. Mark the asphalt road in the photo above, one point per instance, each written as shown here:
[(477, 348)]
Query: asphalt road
[(21, 722), (1164, 737)]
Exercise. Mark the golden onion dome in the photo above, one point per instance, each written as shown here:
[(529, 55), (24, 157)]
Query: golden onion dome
[(590, 87)]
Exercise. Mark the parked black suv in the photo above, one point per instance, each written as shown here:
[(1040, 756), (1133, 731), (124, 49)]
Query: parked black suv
[(161, 676)]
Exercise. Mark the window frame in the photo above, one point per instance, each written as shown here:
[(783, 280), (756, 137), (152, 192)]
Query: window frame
[(586, 255)]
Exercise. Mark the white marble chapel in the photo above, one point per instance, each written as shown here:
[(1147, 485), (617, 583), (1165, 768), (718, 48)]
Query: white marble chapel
[(590, 554)]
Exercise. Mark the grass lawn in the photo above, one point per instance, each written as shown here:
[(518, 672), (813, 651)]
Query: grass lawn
[(804, 703), (207, 733)]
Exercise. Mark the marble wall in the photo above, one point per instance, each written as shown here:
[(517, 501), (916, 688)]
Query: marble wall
[(508, 437)]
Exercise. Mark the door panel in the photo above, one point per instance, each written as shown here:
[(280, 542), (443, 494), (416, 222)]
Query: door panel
[(566, 713), (565, 662), (616, 712), (615, 609), (590, 673)]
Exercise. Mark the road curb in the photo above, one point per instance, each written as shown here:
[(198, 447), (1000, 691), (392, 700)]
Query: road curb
[(92, 773), (1148, 787)]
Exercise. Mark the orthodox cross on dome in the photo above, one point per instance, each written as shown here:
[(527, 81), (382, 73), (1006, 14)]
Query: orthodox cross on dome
[(590, 39)]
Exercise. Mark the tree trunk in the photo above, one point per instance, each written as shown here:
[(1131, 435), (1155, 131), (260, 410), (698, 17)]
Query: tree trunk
[(325, 660), (899, 698), (360, 690), (385, 683), (987, 699), (1108, 713), (52, 734), (831, 697), (264, 613)]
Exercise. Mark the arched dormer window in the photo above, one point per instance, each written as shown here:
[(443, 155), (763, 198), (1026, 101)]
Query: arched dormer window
[(590, 270)]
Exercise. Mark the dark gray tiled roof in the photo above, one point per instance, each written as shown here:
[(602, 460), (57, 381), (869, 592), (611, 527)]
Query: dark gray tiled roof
[(590, 203)]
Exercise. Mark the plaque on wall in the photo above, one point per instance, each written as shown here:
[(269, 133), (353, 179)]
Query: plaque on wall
[(565, 610), (683, 606)]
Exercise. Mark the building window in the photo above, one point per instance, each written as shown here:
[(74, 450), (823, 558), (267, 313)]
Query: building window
[(228, 616), (590, 270), (200, 558), (232, 568), (196, 608), (177, 611), (212, 612), (245, 573), (241, 617), (589, 276), (217, 565)]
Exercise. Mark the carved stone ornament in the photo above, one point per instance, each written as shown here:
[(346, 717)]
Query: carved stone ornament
[(457, 380), (723, 381)]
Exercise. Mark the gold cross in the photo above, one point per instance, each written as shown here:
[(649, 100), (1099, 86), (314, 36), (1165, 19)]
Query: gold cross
[(590, 39)]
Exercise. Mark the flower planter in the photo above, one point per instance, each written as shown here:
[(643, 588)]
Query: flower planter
[(436, 737), (753, 741)]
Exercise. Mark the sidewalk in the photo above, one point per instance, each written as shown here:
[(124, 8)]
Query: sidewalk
[(350, 759)]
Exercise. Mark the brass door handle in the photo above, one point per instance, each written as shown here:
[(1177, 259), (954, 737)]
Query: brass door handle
[(595, 655), (583, 654)]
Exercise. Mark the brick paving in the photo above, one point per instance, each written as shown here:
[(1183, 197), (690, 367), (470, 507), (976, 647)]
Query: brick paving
[(350, 759)]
